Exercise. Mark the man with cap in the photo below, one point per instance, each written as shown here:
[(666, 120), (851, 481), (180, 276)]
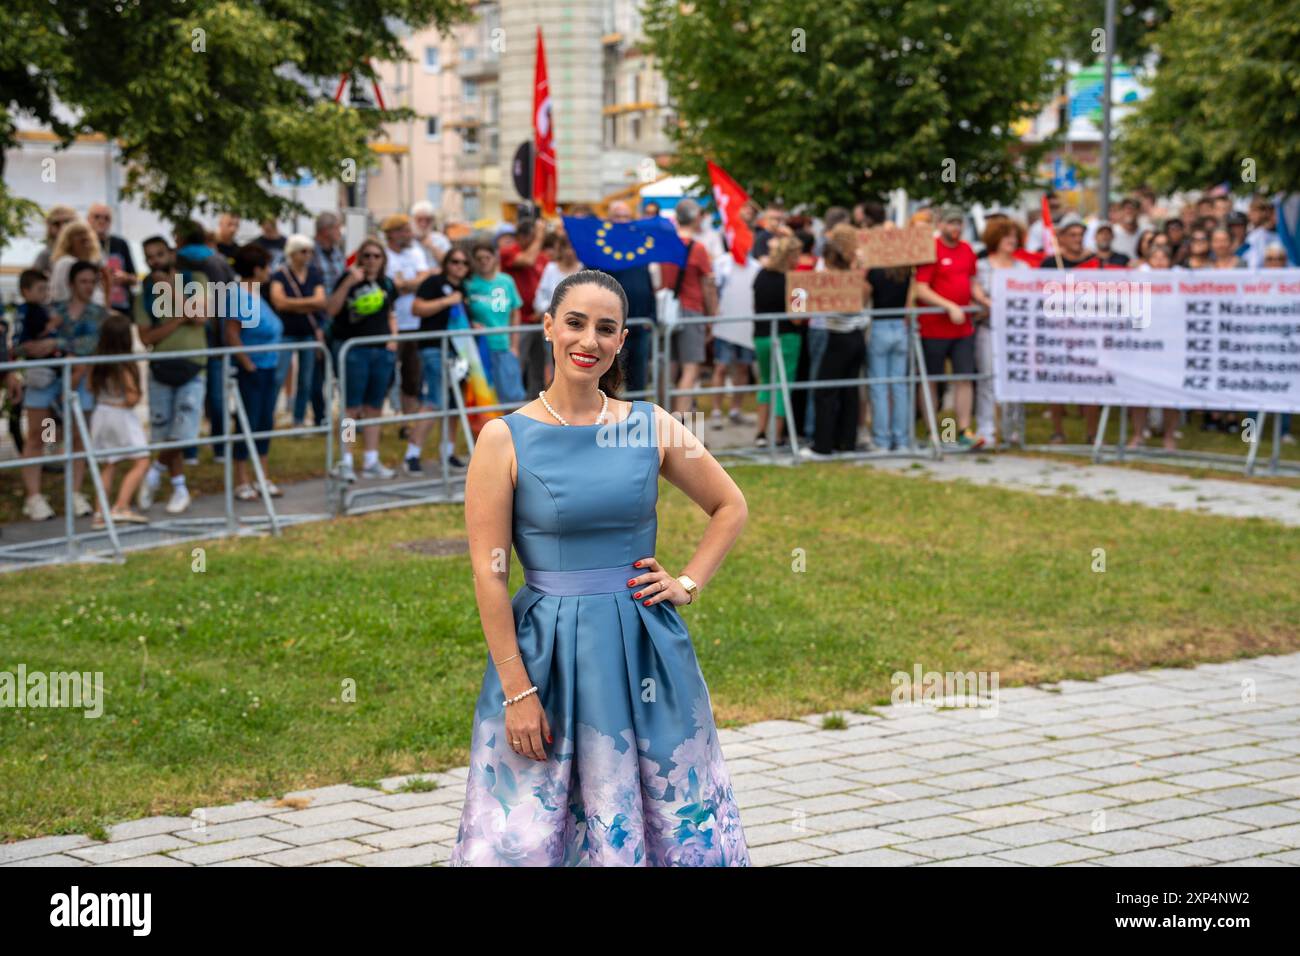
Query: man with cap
[(1069, 239), (948, 334), (1107, 257), (408, 267)]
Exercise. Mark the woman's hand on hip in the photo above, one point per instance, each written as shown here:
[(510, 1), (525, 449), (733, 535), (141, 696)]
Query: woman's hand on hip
[(657, 585)]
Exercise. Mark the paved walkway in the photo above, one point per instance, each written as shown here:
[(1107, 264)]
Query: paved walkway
[(1233, 499), (1196, 767)]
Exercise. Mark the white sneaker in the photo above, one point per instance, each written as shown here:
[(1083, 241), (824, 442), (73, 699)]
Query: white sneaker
[(377, 470), (179, 501), (38, 508), (344, 471), (144, 497), (80, 505)]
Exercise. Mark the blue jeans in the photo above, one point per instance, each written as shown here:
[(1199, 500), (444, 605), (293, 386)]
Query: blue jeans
[(816, 342), (369, 370), (431, 362), (637, 363), (306, 375), (258, 392), (507, 378), (215, 403), (887, 358)]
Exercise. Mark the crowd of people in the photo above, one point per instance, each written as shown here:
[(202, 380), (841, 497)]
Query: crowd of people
[(83, 296)]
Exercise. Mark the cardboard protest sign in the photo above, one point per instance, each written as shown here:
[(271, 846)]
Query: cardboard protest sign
[(824, 291), (885, 246)]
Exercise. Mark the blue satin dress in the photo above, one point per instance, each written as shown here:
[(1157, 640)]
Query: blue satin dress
[(635, 775)]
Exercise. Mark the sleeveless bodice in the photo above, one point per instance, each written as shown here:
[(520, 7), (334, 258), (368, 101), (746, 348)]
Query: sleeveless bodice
[(585, 495)]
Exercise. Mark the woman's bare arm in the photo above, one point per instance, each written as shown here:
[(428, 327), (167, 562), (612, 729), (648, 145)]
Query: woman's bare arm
[(489, 508), (688, 465)]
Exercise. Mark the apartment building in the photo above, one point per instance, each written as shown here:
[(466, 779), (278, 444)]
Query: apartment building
[(473, 92)]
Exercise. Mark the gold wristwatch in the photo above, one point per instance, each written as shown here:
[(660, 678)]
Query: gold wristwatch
[(692, 588)]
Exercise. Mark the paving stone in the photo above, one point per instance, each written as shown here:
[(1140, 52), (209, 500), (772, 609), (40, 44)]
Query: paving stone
[(220, 832), (1049, 854), (316, 853), (929, 827), (1263, 815), (1125, 841), (409, 837), (50, 859), (338, 793), (153, 859), (230, 850), (944, 847), (41, 846), (1226, 848), (1026, 834), (342, 810), (1288, 836), (851, 841), (425, 854), (881, 857), (1002, 816), (149, 826), (1198, 828), (335, 830), (125, 849), (791, 851), (1163, 856)]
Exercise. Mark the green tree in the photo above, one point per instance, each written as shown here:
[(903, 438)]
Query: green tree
[(1224, 103), (1135, 22), (206, 99), (825, 102)]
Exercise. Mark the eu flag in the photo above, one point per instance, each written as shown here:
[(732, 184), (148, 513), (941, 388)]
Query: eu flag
[(612, 246)]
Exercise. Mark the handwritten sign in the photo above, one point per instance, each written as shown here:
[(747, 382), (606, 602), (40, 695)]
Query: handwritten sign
[(886, 246), (824, 291)]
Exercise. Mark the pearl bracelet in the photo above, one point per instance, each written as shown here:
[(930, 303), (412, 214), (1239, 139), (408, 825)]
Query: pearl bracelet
[(518, 697)]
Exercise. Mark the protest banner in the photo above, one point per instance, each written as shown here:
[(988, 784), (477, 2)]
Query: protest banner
[(885, 246), (824, 291), (1164, 339)]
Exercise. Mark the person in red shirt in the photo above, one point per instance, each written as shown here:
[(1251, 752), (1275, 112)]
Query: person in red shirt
[(524, 261), (698, 296), (948, 335)]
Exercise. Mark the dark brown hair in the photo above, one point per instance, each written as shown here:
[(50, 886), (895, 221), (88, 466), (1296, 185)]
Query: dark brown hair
[(114, 339), (611, 383)]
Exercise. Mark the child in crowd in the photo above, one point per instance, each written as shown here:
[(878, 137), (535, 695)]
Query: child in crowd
[(115, 424), (37, 337)]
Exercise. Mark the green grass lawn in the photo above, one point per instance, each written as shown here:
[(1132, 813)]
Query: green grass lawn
[(226, 684)]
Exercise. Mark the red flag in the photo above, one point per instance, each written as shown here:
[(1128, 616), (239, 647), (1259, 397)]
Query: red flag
[(543, 135), (729, 197), (1049, 230)]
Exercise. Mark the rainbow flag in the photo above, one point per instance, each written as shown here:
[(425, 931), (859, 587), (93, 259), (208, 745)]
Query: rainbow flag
[(478, 390)]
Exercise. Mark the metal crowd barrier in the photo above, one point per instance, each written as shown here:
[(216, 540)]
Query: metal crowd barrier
[(780, 378), (447, 487), (73, 545)]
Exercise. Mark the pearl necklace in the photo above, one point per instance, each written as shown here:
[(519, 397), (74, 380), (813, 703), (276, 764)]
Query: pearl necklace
[(604, 406)]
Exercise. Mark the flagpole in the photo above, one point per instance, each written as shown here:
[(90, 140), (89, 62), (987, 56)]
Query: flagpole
[(1105, 109)]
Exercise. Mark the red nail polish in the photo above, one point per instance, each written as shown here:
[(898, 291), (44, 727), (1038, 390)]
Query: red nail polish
[(637, 595), (630, 581), (549, 738), (646, 602), (637, 564)]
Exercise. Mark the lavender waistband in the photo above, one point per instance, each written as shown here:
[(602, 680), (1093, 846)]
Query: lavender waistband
[(586, 581)]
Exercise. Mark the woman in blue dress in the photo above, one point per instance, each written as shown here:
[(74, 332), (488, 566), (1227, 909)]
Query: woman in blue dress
[(593, 740)]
